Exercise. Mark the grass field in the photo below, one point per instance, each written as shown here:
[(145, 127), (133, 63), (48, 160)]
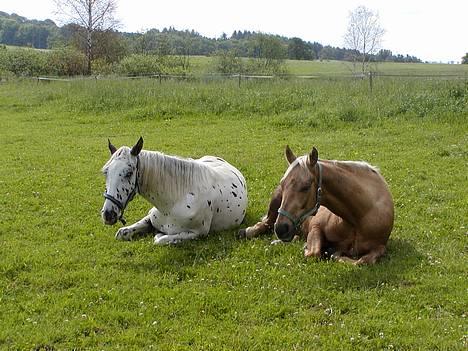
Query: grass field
[(66, 283), (203, 64)]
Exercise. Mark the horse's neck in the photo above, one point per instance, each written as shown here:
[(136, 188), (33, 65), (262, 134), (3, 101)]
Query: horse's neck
[(159, 182), (341, 191)]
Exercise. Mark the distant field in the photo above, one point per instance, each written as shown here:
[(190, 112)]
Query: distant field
[(202, 64), (66, 283), (341, 67)]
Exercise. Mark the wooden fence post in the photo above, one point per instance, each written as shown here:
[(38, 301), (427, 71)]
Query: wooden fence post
[(370, 81)]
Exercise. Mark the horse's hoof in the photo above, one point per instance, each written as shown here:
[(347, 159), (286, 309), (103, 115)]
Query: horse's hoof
[(123, 234), (241, 234)]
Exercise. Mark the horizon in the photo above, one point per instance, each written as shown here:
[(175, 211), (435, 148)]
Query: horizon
[(429, 42)]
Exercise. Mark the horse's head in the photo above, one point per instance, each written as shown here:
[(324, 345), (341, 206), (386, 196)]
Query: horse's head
[(300, 193), (121, 172)]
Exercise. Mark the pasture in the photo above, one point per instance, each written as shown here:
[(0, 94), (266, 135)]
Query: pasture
[(331, 68), (66, 283)]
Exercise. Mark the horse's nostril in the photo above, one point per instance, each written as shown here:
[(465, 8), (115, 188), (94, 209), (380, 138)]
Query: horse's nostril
[(109, 216), (282, 229)]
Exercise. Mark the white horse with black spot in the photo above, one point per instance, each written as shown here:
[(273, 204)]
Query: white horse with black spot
[(191, 198)]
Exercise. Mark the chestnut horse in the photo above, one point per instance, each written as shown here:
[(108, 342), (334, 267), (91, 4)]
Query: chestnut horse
[(342, 207)]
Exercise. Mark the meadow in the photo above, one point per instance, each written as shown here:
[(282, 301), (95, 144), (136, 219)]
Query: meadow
[(66, 283)]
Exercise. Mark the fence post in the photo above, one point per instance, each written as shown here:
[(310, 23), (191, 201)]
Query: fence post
[(239, 79), (370, 81)]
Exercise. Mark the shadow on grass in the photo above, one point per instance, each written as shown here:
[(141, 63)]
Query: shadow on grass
[(401, 258), (183, 261), (184, 258)]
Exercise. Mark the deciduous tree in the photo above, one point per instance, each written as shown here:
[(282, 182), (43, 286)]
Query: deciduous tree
[(92, 15), (465, 59), (364, 35)]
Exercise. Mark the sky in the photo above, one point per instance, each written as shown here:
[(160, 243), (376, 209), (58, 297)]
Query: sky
[(432, 30)]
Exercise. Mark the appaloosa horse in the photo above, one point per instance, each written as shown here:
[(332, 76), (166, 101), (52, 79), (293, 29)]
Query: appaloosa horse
[(342, 207), (190, 197)]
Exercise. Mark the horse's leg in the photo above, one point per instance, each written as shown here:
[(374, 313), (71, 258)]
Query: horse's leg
[(372, 256), (143, 226), (267, 222), (369, 258), (165, 239), (314, 244)]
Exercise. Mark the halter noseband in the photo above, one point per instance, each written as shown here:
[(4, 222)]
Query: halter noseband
[(297, 222), (120, 204)]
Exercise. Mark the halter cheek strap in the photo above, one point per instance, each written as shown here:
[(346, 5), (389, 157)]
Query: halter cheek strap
[(297, 222), (120, 204)]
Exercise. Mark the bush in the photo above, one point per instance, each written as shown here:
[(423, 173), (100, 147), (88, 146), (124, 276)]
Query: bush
[(227, 62), (66, 62), (265, 66), (23, 62), (30, 63), (101, 67), (141, 64)]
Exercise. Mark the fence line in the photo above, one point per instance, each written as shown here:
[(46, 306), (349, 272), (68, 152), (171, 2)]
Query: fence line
[(240, 77)]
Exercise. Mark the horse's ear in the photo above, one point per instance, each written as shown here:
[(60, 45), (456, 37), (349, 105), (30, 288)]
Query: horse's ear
[(112, 148), (312, 158), (137, 148), (290, 157)]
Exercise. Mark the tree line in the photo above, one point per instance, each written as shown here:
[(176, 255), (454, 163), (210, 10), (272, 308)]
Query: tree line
[(112, 45)]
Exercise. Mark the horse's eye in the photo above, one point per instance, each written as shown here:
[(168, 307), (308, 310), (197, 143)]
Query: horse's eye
[(304, 189), (128, 174)]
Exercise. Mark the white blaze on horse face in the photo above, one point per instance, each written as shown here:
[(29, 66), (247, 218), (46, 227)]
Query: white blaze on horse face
[(296, 187), (120, 172)]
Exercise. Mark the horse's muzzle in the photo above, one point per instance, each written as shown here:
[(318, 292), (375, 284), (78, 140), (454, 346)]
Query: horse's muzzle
[(284, 231), (109, 217)]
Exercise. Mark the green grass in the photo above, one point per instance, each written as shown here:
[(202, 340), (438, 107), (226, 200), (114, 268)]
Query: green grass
[(331, 68), (203, 65), (66, 283)]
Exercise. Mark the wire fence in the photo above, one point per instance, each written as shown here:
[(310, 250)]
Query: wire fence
[(240, 78)]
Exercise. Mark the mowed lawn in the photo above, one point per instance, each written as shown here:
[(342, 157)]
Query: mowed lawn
[(66, 283)]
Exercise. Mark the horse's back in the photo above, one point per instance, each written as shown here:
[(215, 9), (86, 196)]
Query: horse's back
[(378, 221), (229, 193)]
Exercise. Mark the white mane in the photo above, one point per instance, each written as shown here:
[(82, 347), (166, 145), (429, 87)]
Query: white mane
[(170, 174)]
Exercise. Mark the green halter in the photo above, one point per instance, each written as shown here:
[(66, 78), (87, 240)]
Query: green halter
[(297, 222)]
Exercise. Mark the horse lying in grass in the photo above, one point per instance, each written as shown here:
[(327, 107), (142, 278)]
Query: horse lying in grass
[(341, 207), (191, 198)]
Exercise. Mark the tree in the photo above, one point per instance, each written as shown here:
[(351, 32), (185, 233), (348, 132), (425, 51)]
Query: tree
[(465, 59), (384, 55), (298, 49), (92, 15), (268, 53), (364, 35)]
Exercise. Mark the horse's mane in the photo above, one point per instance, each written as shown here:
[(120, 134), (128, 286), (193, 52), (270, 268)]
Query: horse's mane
[(302, 161), (359, 164), (171, 174)]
